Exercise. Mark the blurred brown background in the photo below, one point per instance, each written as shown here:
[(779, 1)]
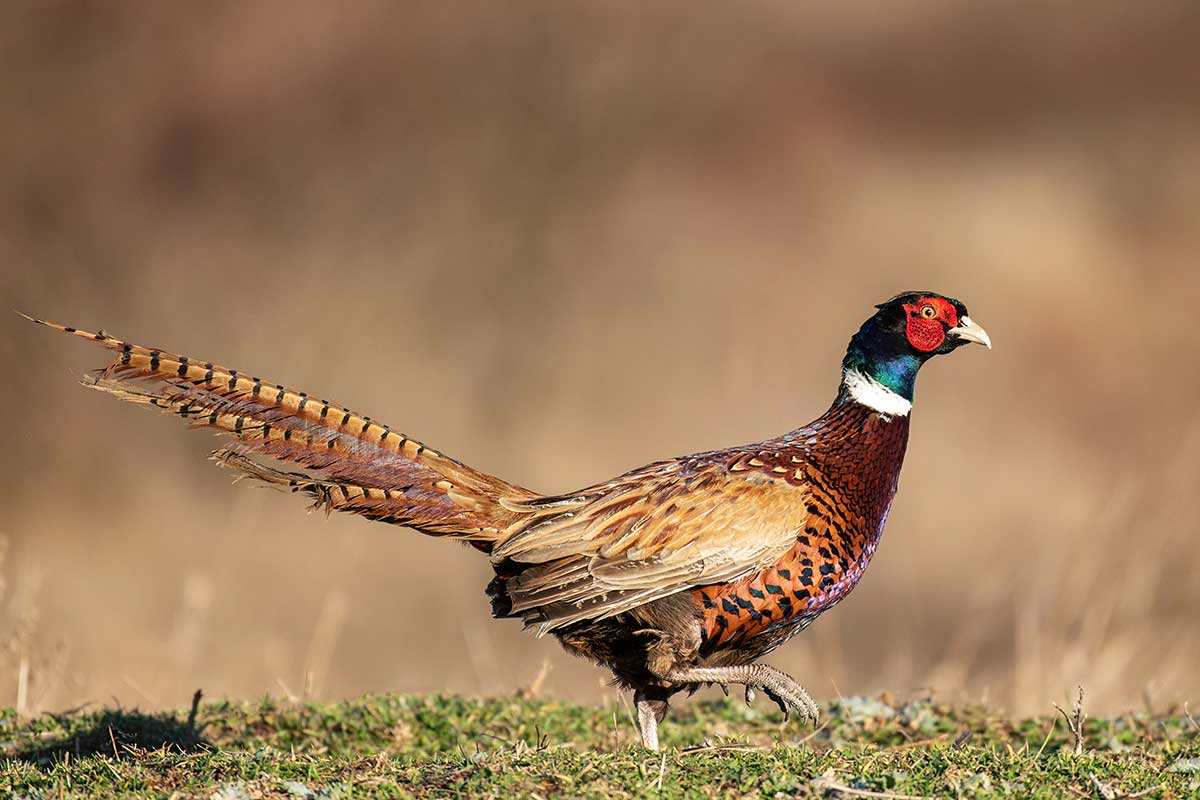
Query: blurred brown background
[(559, 241)]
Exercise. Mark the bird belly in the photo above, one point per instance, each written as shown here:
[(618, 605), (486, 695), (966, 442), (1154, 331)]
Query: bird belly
[(780, 601)]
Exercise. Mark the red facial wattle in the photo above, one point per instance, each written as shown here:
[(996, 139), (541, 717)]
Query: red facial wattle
[(926, 333)]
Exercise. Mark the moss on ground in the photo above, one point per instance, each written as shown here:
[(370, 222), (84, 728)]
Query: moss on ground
[(432, 746)]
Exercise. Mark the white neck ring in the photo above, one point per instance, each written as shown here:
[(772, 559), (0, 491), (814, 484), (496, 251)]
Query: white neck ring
[(874, 395)]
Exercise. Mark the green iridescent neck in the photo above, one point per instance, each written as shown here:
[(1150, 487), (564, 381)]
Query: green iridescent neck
[(897, 372)]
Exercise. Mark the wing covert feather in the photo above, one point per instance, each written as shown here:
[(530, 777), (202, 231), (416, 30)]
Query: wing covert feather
[(660, 530)]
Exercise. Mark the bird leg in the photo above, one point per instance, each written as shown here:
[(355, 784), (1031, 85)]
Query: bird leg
[(651, 708), (780, 687)]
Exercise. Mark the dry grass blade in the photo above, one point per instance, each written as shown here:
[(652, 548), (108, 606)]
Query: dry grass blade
[(662, 771), (1046, 741), (708, 747), (1188, 716), (919, 743), (824, 724), (113, 740)]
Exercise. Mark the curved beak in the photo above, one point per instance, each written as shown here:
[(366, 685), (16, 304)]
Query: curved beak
[(968, 331)]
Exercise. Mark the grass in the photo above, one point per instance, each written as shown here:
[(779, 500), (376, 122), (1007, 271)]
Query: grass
[(433, 746)]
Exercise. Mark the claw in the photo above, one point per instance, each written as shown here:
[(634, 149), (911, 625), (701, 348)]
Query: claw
[(749, 694), (779, 701), (724, 688)]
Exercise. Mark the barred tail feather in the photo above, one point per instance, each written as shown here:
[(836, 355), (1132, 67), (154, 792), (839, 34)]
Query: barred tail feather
[(414, 506), (350, 462)]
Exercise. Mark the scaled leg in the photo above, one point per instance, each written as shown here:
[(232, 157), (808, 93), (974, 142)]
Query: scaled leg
[(651, 708)]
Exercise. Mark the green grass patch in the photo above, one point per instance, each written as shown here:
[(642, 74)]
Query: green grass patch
[(432, 746)]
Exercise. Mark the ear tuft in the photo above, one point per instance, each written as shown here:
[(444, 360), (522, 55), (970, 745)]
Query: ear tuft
[(905, 297)]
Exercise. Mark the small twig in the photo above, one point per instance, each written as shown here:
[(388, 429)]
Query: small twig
[(1075, 721), (191, 723), (1106, 791), (1109, 793), (829, 784)]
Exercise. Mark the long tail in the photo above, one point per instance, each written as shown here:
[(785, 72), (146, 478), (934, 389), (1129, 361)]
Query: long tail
[(348, 462)]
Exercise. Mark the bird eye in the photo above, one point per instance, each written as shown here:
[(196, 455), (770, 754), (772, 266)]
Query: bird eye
[(928, 311)]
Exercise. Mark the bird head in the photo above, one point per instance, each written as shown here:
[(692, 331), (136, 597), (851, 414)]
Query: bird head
[(904, 333)]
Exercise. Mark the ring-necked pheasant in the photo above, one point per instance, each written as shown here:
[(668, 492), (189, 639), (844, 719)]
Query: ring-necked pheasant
[(675, 575)]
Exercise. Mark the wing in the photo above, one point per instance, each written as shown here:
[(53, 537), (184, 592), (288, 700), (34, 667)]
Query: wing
[(669, 527)]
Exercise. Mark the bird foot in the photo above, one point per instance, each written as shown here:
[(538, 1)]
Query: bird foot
[(787, 694), (781, 688)]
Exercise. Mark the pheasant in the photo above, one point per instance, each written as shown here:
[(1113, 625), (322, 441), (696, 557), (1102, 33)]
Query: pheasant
[(676, 575)]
